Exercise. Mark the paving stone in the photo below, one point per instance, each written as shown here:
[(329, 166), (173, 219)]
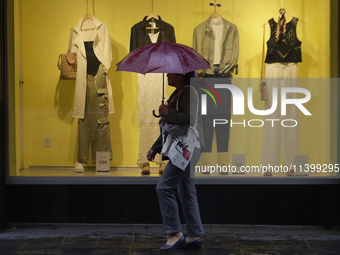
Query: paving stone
[(323, 246), (44, 243), (222, 246), (260, 253), (41, 251), (255, 245), (297, 252), (78, 243), (252, 236), (149, 240), (77, 251), (329, 253), (175, 252), (194, 252), (117, 243), (11, 248), (14, 241), (220, 242), (242, 240), (291, 245), (111, 251), (219, 251)]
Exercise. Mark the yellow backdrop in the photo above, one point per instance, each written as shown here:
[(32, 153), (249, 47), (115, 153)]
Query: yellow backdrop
[(48, 100)]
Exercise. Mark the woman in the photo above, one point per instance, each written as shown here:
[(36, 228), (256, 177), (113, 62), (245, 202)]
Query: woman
[(175, 178)]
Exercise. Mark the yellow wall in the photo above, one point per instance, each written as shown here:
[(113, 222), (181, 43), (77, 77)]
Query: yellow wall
[(48, 100)]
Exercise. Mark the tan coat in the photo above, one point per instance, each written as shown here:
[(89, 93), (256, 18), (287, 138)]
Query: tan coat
[(204, 43), (102, 48)]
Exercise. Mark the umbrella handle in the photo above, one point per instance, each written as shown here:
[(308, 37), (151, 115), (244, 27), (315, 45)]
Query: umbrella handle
[(154, 112)]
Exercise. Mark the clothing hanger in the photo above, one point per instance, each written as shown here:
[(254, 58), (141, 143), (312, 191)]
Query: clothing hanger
[(275, 18), (278, 15), (215, 14), (152, 15), (86, 17)]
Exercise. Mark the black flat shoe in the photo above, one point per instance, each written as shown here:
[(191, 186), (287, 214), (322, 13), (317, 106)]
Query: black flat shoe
[(197, 244), (180, 243)]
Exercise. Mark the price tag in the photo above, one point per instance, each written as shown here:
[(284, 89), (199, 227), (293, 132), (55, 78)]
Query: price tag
[(300, 163), (103, 161), (238, 160)]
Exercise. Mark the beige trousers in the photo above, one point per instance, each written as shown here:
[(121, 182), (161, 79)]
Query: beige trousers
[(95, 127), (276, 136)]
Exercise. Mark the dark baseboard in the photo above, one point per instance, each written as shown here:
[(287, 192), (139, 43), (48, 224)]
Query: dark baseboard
[(219, 204)]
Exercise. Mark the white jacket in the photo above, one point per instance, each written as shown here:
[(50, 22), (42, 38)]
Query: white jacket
[(102, 48)]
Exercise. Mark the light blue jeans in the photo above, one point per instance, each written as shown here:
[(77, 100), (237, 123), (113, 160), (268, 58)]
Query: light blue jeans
[(174, 178)]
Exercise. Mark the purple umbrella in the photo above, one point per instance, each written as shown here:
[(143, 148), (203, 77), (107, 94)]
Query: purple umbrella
[(163, 57)]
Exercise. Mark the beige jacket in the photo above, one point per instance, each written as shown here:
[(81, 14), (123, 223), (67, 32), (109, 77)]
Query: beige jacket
[(204, 43), (102, 48)]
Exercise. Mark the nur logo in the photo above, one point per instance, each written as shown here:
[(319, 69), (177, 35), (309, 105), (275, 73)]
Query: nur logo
[(279, 100), (204, 97), (238, 99)]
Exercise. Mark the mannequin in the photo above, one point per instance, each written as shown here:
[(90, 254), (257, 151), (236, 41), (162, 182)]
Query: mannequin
[(149, 89), (211, 39), (283, 56), (93, 94)]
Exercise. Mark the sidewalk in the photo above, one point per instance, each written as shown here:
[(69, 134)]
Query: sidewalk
[(146, 239)]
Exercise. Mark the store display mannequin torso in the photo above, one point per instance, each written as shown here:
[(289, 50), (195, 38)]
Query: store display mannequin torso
[(149, 88), (287, 49), (283, 56), (204, 43)]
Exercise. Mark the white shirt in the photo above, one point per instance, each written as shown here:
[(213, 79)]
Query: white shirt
[(100, 36), (217, 28), (154, 37)]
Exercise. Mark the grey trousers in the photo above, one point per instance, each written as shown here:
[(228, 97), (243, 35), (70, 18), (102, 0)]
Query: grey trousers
[(95, 127), (174, 178)]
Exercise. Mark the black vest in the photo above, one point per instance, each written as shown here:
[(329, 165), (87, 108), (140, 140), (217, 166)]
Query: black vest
[(286, 49)]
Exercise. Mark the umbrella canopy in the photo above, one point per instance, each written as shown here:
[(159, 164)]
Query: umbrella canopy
[(163, 57)]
